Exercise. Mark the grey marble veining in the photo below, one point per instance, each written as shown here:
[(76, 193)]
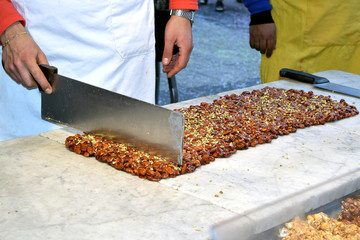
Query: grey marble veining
[(286, 166), (68, 196), (48, 192)]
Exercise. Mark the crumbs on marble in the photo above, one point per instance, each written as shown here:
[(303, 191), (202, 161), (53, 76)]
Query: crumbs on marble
[(220, 192), (175, 192), (197, 228), (14, 211)]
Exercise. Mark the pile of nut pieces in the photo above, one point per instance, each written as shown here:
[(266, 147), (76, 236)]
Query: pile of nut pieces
[(219, 129), (320, 226)]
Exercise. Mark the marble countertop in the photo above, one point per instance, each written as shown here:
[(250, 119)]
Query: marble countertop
[(48, 192)]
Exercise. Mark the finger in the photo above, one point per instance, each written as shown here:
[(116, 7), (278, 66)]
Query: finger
[(180, 64), (17, 69), (175, 68), (257, 44), (41, 58), (270, 47), (269, 53), (14, 76), (167, 54), (252, 41), (262, 46), (40, 78), (39, 75), (26, 78), (12, 72), (251, 37), (22, 67), (172, 63)]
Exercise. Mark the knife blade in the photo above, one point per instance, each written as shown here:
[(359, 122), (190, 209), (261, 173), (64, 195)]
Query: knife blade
[(319, 82), (147, 127)]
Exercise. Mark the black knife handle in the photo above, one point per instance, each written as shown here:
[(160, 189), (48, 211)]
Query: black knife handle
[(50, 73), (302, 76)]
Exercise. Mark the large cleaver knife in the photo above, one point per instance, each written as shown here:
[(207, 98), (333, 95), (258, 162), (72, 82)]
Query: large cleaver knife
[(319, 82), (84, 107)]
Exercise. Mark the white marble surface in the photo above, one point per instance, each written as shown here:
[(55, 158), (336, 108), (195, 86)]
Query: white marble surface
[(48, 192), (66, 196)]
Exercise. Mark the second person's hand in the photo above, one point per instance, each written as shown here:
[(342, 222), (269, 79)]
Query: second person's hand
[(263, 38), (177, 32)]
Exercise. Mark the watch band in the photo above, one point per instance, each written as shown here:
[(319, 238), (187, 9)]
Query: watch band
[(188, 14)]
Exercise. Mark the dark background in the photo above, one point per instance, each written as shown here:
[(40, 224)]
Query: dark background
[(222, 59)]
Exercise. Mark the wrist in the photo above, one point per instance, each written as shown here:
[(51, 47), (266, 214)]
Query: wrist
[(11, 31), (188, 14), (261, 18)]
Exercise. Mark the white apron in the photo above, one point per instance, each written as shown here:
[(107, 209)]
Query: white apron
[(106, 43)]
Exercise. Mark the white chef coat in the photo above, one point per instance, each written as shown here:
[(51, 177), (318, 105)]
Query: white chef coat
[(109, 44)]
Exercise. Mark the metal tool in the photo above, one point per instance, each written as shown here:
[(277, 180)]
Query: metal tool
[(319, 82), (120, 118)]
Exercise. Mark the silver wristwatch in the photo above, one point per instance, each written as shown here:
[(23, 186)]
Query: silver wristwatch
[(189, 14)]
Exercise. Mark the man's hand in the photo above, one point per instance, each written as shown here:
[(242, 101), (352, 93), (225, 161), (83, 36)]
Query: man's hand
[(20, 59), (263, 38), (177, 32)]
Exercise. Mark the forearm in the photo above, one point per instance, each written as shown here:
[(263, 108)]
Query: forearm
[(184, 4), (257, 6), (260, 11)]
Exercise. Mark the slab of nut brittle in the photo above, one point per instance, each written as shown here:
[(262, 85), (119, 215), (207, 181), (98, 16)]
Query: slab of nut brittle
[(219, 129)]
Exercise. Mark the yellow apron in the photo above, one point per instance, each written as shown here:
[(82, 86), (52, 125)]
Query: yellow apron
[(313, 36)]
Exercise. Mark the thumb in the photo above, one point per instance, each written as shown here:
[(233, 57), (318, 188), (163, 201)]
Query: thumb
[(167, 54), (39, 76)]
